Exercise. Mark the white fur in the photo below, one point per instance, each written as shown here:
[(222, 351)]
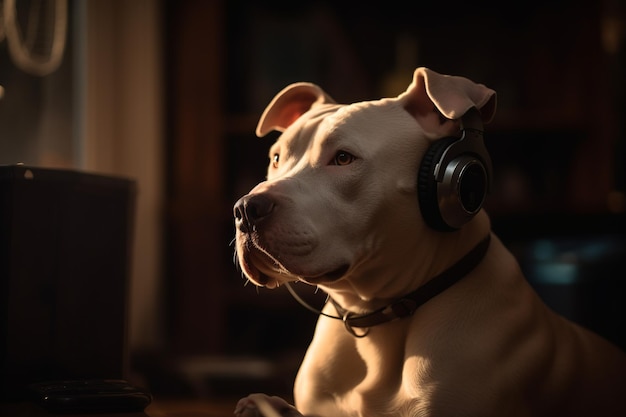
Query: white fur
[(487, 346)]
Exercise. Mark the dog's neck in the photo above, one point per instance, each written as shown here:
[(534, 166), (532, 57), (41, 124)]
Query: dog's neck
[(362, 296), (409, 303)]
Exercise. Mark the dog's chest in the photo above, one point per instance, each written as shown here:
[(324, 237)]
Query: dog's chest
[(371, 376)]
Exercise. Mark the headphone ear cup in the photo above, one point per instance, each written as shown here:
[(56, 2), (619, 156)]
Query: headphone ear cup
[(427, 185)]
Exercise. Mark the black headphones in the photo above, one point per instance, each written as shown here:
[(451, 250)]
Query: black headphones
[(455, 176)]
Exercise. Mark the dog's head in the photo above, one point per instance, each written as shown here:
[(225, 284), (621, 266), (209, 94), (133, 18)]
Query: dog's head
[(340, 202)]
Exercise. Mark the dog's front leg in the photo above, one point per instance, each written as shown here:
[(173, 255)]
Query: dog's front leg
[(261, 405)]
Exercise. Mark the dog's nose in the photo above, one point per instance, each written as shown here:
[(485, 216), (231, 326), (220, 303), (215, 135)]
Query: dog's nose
[(251, 208)]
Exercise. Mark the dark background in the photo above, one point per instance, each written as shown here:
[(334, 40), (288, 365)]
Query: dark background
[(557, 143)]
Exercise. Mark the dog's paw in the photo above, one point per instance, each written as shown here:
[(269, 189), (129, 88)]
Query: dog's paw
[(261, 405)]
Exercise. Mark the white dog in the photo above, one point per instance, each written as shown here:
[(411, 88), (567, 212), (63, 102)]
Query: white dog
[(379, 204)]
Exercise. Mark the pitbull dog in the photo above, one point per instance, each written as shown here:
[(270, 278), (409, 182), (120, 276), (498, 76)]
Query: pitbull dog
[(428, 313)]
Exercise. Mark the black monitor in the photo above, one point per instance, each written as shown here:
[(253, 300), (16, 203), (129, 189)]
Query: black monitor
[(65, 261)]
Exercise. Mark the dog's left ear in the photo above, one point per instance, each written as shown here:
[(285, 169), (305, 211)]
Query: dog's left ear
[(288, 105), (432, 95)]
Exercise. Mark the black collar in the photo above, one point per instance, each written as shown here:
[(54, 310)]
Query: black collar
[(407, 305)]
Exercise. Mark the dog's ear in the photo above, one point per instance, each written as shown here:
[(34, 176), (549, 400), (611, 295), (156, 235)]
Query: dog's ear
[(288, 105), (431, 98)]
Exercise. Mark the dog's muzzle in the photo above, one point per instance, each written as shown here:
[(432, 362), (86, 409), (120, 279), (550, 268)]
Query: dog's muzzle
[(250, 210), (273, 248)]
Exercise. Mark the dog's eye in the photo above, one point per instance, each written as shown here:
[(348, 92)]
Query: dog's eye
[(343, 158), (275, 160)]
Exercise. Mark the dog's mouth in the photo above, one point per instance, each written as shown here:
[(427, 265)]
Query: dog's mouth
[(258, 266), (327, 277), (265, 270)]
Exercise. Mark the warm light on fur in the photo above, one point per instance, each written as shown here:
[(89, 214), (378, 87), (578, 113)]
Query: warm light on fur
[(339, 210)]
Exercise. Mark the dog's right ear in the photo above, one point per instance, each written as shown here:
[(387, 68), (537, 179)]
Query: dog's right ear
[(288, 105)]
